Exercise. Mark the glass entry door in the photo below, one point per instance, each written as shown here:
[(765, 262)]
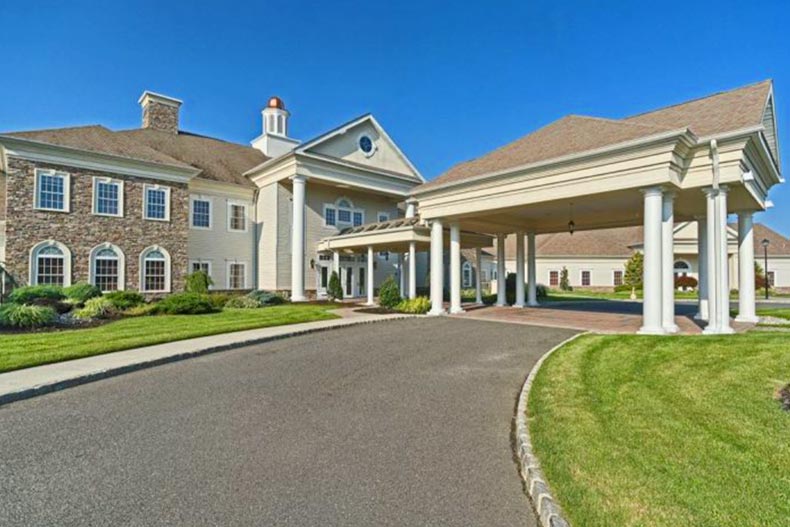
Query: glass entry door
[(349, 282)]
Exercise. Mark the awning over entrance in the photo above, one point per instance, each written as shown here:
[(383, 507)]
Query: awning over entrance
[(395, 236)]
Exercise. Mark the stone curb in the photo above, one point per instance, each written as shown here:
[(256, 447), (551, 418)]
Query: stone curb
[(46, 388), (546, 507)]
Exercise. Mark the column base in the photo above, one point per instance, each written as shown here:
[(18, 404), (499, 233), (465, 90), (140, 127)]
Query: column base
[(519, 305), (533, 304), (457, 310), (718, 331), (501, 304), (700, 316), (436, 313), (370, 304), (672, 329), (646, 330), (298, 299), (750, 320)]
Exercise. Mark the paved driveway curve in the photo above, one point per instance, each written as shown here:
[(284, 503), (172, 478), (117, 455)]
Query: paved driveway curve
[(398, 423)]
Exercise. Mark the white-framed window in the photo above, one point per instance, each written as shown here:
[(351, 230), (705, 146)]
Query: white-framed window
[(330, 216), (107, 197), (200, 265), (358, 218), (52, 190), (107, 267), (200, 212), (617, 277), (155, 270), (681, 268), (237, 217), (237, 275), (554, 278), (585, 277), (466, 274), (50, 264), (344, 216), (382, 216), (156, 203), (771, 276), (342, 213)]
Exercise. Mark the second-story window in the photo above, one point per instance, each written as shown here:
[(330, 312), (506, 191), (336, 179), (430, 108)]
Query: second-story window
[(107, 197), (359, 218), (201, 213), (156, 204), (237, 217), (52, 190)]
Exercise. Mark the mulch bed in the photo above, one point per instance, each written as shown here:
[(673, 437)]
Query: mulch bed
[(376, 311), (783, 396)]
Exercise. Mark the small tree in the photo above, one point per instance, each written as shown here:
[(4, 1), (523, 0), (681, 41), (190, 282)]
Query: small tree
[(198, 282), (334, 289), (634, 269), (565, 284), (389, 295)]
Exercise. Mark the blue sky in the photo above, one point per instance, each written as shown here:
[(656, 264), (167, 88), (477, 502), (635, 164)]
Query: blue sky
[(449, 81)]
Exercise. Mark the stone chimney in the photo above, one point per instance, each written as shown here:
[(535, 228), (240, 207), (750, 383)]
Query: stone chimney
[(160, 112)]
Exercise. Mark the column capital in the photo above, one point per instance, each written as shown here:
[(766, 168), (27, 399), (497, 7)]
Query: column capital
[(298, 178), (745, 213), (670, 193), (652, 191)]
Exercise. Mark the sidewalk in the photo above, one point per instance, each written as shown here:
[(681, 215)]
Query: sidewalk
[(31, 382)]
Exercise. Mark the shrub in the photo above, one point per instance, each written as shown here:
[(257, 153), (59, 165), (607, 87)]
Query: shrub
[(242, 302), (541, 291), (334, 289), (417, 306), (489, 299), (186, 304), (28, 294), (265, 298), (141, 310), (198, 282), (565, 284), (123, 300), (81, 292), (686, 282), (98, 307), (218, 300), (389, 294), (26, 316), (634, 270)]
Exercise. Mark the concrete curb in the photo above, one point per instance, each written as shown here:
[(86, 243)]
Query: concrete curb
[(546, 507), (42, 389)]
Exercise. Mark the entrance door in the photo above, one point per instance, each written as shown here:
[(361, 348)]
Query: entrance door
[(349, 292), (361, 287), (323, 280)]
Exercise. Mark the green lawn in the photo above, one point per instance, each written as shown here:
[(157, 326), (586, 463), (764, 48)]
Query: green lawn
[(32, 349), (666, 431), (778, 312)]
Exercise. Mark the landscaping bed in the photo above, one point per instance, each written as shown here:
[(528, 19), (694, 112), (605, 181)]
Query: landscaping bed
[(666, 431)]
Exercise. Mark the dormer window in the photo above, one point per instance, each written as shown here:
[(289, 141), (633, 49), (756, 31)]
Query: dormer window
[(342, 214)]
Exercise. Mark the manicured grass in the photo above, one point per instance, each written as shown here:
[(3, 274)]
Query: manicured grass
[(666, 431), (778, 312), (32, 349)]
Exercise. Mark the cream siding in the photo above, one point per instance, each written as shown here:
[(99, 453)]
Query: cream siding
[(770, 129), (284, 222), (267, 208)]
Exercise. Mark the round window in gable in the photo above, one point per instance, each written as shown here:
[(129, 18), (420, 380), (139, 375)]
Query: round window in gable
[(366, 145)]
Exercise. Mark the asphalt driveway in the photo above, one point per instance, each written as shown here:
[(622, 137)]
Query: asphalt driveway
[(397, 423)]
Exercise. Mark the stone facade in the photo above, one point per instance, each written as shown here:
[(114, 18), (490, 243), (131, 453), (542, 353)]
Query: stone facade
[(80, 230), (160, 116)]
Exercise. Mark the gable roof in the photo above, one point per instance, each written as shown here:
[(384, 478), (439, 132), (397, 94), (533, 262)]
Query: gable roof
[(722, 112), (620, 242), (98, 139), (219, 160)]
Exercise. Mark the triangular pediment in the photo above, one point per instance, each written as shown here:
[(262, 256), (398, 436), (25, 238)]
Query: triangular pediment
[(769, 123), (362, 142)]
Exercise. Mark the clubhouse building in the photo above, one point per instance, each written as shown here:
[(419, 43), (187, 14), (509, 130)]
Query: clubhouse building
[(139, 209)]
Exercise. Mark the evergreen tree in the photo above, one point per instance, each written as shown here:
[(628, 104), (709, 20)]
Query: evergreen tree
[(565, 284), (334, 289), (634, 270)]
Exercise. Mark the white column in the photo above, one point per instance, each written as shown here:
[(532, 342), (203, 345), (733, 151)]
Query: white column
[(336, 262), (402, 274), (712, 270), (746, 295), (668, 263), (297, 240), (478, 272), (651, 307), (519, 269), (455, 269), (723, 294), (532, 272), (702, 266), (501, 299), (437, 269), (412, 270), (411, 209), (369, 275)]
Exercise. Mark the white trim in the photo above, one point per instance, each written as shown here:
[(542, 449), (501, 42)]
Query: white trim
[(111, 181), (66, 189), (325, 208), (197, 197), (228, 276), (166, 189), (141, 269), (121, 264), (230, 204), (581, 277), (33, 261), (467, 265), (379, 214), (373, 148)]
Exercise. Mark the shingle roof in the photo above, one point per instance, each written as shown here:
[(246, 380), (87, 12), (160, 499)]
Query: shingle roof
[(619, 242), (718, 113), (96, 138), (219, 160)]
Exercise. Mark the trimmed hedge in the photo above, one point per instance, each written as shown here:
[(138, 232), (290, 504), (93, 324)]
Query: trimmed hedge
[(98, 307), (30, 293), (416, 306), (26, 316), (186, 304), (266, 298), (242, 302), (81, 292), (389, 293), (123, 300)]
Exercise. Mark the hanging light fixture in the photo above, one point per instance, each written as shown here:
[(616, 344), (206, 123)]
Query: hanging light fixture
[(571, 224)]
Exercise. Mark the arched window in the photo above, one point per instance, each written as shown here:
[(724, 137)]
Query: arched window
[(50, 264), (466, 274), (155, 270), (682, 268), (107, 267)]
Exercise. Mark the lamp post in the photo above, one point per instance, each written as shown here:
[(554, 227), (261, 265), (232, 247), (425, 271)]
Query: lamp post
[(765, 244)]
